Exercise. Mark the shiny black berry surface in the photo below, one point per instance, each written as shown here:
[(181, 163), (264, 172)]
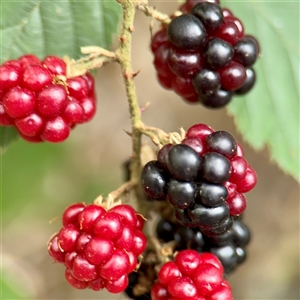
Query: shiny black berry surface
[(154, 179), (206, 82), (218, 53), (212, 195), (187, 32), (222, 142), (181, 194), (165, 230), (240, 233), (183, 162), (215, 167), (249, 82), (245, 51), (217, 100), (227, 255), (209, 216), (210, 14)]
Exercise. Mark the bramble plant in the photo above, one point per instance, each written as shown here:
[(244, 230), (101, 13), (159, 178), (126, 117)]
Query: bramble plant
[(174, 229)]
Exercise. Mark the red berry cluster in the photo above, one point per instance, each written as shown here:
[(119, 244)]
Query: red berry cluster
[(38, 99), (204, 55), (192, 276), (203, 178), (99, 247)]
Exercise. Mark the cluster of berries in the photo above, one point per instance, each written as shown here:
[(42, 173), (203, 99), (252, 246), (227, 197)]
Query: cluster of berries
[(204, 55), (203, 178), (229, 247), (40, 102), (193, 276), (99, 247)]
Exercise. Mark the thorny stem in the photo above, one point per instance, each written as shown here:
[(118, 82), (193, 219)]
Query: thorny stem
[(159, 137), (96, 57), (152, 12), (124, 59), (111, 198)]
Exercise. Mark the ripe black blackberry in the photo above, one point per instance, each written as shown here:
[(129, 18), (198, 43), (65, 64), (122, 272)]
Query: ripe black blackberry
[(203, 178), (204, 55), (231, 246)]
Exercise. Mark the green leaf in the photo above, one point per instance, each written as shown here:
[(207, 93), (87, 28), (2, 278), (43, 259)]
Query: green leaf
[(7, 135), (269, 114), (56, 27), (9, 292)]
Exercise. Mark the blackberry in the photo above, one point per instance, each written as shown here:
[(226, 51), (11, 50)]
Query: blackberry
[(245, 51), (195, 144), (232, 76), (186, 238), (219, 229), (162, 155), (181, 194), (223, 143), (210, 14), (183, 162), (227, 255), (154, 179), (218, 99), (229, 31), (249, 82), (187, 32), (212, 195), (209, 216), (218, 240), (215, 167), (165, 230), (241, 255), (240, 234), (206, 82), (218, 53), (183, 63), (204, 55), (182, 216), (203, 178)]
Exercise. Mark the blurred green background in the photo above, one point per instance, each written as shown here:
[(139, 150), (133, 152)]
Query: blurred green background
[(39, 180)]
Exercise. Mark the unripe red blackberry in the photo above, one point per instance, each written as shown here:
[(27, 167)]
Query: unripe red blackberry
[(99, 247), (38, 99), (191, 275)]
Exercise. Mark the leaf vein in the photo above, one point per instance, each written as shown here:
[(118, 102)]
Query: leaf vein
[(22, 25)]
